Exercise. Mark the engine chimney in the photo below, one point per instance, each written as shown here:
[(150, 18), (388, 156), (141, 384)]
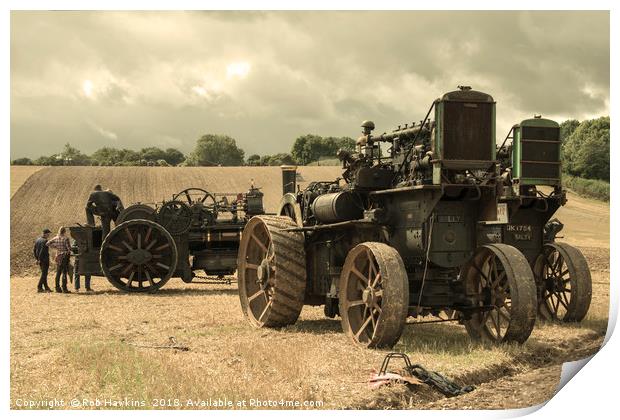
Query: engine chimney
[(289, 178)]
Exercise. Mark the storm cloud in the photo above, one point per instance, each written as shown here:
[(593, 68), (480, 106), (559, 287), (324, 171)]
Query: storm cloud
[(135, 79)]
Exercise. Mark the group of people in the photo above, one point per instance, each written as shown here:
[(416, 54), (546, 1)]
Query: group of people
[(102, 203), (63, 247)]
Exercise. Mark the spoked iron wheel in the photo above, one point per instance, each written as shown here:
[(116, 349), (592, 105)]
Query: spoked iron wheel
[(196, 195), (138, 256), (501, 280), (564, 283), (271, 271), (175, 216), (374, 295), (290, 208)]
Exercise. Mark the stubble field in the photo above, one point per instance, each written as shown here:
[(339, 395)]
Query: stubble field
[(101, 346)]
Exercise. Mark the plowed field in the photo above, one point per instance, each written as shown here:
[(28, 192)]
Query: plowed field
[(111, 346)]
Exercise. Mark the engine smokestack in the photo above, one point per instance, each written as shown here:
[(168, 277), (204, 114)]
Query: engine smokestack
[(289, 179)]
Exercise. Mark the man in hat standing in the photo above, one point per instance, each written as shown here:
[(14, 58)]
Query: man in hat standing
[(101, 203), (42, 256)]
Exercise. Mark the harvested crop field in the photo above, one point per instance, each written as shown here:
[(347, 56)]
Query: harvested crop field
[(54, 197), (102, 345), (19, 175)]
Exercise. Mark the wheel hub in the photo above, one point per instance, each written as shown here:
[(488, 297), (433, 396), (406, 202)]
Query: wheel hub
[(555, 284), (139, 256), (368, 297), (262, 273)]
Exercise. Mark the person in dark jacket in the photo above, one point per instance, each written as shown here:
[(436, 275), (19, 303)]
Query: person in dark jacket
[(42, 256), (103, 204)]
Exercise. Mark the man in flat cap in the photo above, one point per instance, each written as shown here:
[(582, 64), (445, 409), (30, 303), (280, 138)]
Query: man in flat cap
[(42, 256)]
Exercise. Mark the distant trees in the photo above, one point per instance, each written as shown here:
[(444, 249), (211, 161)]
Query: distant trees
[(216, 150), (108, 156), (586, 150), (111, 156), (311, 147), (277, 159), (210, 150), (22, 161), (253, 160)]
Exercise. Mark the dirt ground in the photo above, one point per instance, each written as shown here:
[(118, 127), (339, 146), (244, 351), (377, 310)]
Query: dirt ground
[(102, 346)]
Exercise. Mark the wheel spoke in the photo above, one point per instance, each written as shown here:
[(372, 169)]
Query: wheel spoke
[(355, 271), (115, 248), (267, 306), (127, 269), (353, 303), (257, 294), (260, 244), (116, 266), (376, 280), (484, 276), (162, 247), (148, 277), (563, 302), (504, 314), (129, 235), (148, 234), (363, 327)]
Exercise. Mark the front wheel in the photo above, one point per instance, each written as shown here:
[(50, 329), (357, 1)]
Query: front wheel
[(564, 283), (501, 282), (373, 295)]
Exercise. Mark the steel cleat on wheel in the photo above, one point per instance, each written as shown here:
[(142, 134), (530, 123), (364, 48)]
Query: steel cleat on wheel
[(271, 272)]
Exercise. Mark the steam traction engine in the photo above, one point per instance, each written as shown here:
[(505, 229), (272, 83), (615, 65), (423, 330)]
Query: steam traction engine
[(417, 232), (532, 192), (195, 230)]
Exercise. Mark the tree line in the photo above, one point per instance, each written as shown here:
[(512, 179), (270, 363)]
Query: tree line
[(585, 148), (210, 150), (585, 152)]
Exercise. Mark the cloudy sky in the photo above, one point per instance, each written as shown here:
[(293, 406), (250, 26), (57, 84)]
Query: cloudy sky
[(135, 79)]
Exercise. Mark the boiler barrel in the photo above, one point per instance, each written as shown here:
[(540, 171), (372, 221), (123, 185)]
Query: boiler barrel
[(289, 178), (337, 207)]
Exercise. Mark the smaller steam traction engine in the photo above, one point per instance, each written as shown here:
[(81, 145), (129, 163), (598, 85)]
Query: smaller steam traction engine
[(195, 230), (531, 193), (436, 223)]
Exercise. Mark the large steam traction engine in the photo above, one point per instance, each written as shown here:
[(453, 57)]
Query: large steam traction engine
[(195, 230), (430, 228)]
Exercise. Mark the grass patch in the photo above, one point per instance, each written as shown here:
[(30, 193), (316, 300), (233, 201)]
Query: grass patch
[(592, 188)]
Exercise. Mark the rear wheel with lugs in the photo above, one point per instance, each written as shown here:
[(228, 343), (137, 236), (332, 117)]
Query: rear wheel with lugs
[(500, 279), (271, 271), (138, 256), (373, 295), (564, 283)]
